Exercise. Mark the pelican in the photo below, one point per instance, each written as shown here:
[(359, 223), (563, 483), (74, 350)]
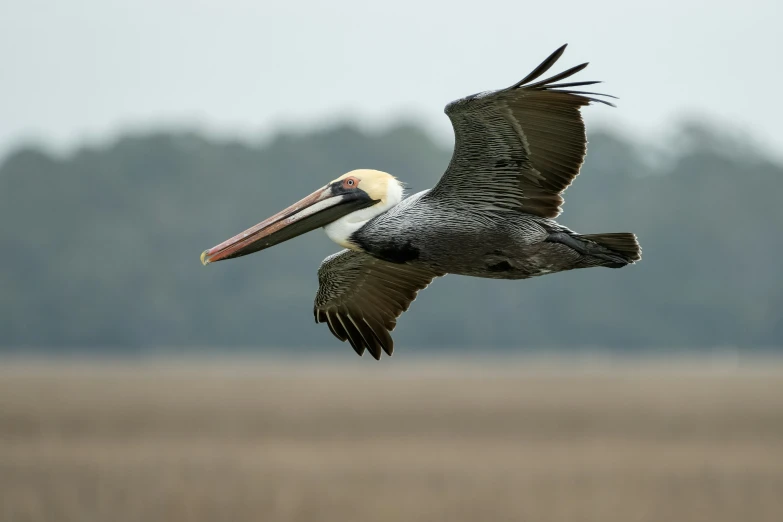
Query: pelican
[(490, 215)]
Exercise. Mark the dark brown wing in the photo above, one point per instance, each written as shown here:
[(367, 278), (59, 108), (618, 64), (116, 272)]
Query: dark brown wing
[(360, 297), (518, 148)]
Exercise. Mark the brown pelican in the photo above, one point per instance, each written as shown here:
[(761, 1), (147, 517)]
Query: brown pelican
[(490, 215)]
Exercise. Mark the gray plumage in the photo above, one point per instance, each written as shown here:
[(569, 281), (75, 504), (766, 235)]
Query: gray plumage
[(491, 214)]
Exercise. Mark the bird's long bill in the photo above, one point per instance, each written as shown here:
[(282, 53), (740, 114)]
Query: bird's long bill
[(316, 210)]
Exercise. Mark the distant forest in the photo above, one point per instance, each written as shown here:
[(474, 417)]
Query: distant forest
[(101, 247)]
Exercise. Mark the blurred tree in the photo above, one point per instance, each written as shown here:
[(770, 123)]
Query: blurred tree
[(101, 247)]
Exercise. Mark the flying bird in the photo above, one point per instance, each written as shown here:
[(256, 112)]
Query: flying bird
[(490, 215)]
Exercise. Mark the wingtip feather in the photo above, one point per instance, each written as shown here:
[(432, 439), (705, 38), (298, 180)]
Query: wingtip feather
[(556, 78), (542, 67)]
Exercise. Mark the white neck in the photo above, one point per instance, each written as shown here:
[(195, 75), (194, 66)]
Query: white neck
[(341, 230)]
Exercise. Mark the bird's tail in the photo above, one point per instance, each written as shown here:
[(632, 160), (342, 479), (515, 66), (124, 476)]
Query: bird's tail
[(623, 245)]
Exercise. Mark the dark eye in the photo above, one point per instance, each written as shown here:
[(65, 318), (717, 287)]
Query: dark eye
[(350, 183)]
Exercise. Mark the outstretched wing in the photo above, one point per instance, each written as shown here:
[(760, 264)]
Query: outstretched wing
[(360, 297), (518, 148)]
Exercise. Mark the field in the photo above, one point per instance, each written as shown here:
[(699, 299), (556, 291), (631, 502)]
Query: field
[(262, 441)]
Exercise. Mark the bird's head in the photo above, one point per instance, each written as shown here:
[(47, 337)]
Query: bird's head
[(342, 207)]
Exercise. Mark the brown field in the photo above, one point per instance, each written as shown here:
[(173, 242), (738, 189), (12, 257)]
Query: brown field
[(283, 442)]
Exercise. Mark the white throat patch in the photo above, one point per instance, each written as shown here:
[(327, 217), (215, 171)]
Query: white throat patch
[(341, 230)]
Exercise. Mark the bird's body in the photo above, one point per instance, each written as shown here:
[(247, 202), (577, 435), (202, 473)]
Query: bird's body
[(491, 215), (497, 244)]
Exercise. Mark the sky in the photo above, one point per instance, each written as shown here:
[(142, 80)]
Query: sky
[(83, 71)]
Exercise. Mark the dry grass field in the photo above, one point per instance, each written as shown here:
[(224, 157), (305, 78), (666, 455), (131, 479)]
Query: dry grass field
[(257, 441)]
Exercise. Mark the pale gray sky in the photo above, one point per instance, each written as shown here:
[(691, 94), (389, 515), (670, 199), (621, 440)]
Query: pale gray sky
[(73, 71)]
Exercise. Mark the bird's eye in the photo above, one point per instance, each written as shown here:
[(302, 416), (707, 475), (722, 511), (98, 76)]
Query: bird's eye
[(350, 182)]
